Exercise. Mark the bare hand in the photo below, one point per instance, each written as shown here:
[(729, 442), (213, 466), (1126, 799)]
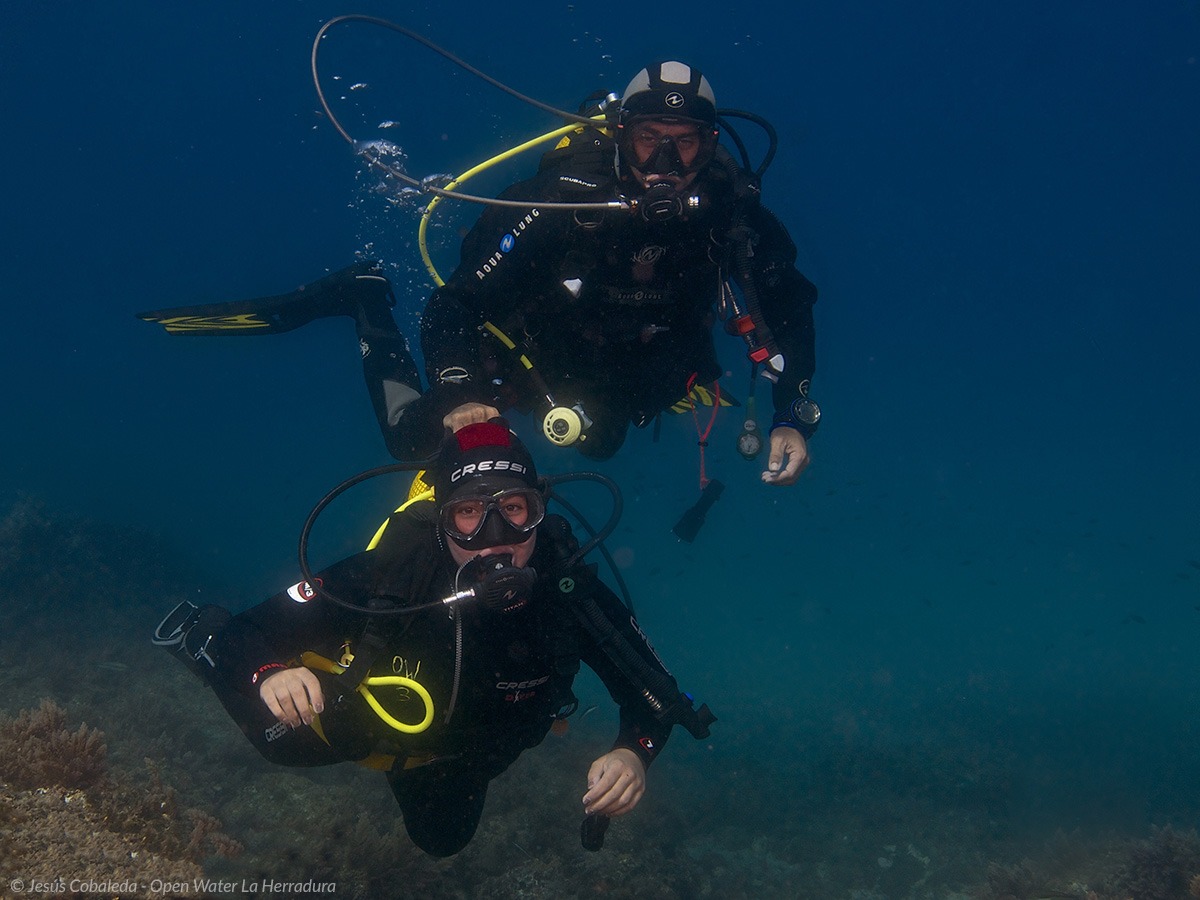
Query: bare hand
[(469, 414), (789, 457), (293, 696), (616, 782)]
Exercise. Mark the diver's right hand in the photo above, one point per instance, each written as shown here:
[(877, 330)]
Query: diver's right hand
[(469, 414), (293, 696)]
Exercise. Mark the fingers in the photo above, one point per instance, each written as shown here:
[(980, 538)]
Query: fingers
[(785, 475), (788, 458), (774, 461), (293, 696), (616, 782), (469, 414)]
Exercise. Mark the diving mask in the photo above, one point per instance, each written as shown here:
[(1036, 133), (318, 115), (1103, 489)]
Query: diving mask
[(476, 521), (666, 149)]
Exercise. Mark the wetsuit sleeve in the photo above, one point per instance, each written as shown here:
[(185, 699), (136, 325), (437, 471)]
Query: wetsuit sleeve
[(273, 634), (640, 730), (786, 298)]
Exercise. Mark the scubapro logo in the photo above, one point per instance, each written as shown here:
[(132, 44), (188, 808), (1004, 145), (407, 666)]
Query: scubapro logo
[(674, 100)]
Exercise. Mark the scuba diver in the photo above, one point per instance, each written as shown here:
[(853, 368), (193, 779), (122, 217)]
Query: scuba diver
[(616, 309), (443, 652), (592, 291)]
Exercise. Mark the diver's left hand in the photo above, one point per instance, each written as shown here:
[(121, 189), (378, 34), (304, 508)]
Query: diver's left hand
[(469, 414), (789, 457), (616, 782)]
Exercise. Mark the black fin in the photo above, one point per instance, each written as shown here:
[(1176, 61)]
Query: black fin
[(689, 523), (339, 294)]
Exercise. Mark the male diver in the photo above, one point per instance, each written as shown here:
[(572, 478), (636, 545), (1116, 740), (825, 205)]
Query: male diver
[(445, 651), (605, 316)]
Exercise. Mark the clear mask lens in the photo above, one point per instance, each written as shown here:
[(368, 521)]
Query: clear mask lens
[(522, 509), (652, 150)]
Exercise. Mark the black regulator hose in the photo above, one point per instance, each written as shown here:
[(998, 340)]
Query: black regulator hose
[(306, 531), (767, 127), (423, 185), (373, 157), (597, 539), (612, 564), (461, 63)]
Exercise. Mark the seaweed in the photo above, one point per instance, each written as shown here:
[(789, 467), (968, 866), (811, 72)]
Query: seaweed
[(64, 810), (38, 750), (1164, 867)]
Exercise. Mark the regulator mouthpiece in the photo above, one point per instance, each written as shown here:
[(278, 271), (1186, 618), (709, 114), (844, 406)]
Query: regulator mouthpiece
[(660, 202), (498, 584)]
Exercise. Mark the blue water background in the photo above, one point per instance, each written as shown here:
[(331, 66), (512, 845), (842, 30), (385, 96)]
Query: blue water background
[(998, 534)]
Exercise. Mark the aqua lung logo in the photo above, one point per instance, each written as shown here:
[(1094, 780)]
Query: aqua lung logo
[(674, 100), (488, 465), (638, 298), (648, 255), (507, 243)]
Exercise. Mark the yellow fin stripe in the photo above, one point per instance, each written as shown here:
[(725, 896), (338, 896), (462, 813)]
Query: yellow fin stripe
[(699, 395), (239, 322)]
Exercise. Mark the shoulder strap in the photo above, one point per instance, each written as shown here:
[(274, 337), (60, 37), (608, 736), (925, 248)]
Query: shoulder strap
[(583, 150)]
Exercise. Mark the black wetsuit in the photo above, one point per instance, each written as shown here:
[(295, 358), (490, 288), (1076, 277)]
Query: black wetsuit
[(614, 311), (512, 678)]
